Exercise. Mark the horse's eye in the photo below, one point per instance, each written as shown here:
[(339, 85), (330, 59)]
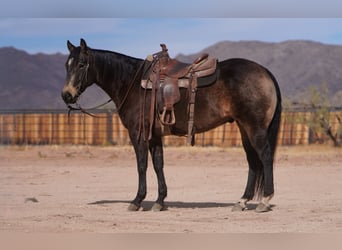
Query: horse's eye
[(81, 64)]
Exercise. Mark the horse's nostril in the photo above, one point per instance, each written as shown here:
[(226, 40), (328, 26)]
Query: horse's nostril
[(67, 97)]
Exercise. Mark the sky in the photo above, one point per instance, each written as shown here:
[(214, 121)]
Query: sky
[(136, 27), (139, 37), (174, 8)]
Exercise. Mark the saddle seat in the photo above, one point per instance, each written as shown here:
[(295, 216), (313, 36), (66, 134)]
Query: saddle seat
[(202, 66)]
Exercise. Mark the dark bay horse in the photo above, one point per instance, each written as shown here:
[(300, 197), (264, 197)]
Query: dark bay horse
[(244, 92)]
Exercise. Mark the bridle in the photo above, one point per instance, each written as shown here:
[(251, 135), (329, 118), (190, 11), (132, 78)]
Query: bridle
[(84, 77)]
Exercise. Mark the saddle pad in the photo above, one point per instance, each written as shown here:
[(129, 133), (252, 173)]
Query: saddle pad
[(184, 82)]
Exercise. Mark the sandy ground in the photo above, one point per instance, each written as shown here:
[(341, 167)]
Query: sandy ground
[(87, 189)]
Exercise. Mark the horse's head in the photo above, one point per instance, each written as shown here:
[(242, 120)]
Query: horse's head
[(77, 68)]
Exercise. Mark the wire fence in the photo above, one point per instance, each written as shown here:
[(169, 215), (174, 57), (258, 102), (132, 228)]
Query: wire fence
[(38, 127)]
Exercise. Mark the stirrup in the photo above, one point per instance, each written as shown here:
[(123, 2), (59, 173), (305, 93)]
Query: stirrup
[(166, 118)]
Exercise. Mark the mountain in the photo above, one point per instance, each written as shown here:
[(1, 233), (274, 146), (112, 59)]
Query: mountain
[(297, 65), (35, 81), (29, 81)]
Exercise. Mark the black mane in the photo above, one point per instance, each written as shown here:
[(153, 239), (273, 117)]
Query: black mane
[(113, 67)]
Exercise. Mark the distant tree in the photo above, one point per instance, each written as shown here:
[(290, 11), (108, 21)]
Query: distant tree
[(319, 121)]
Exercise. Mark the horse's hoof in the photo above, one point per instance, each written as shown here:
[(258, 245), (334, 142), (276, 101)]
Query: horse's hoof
[(262, 208), (157, 207), (239, 207), (133, 207)]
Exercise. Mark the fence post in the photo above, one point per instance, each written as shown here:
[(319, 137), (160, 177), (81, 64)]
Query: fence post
[(109, 136)]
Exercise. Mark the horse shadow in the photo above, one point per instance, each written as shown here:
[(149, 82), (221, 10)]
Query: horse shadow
[(147, 205)]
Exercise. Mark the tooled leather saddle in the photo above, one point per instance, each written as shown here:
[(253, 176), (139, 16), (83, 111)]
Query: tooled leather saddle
[(165, 76)]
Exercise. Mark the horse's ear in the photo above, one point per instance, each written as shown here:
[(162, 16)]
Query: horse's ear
[(71, 47), (83, 45)]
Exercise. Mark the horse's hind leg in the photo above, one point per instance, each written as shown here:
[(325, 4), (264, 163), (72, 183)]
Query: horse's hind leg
[(266, 155), (260, 143), (156, 150), (260, 174), (255, 166)]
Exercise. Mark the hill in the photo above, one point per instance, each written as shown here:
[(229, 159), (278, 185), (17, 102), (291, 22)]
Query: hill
[(297, 65), (35, 81)]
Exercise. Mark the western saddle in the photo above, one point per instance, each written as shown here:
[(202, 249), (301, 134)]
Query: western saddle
[(164, 76)]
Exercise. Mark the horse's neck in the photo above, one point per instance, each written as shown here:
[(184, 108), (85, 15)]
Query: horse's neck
[(115, 72)]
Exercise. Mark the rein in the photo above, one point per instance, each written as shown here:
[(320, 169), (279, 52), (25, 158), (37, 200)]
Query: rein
[(131, 85), (86, 111)]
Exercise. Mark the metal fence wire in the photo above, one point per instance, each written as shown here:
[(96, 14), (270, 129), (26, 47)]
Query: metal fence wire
[(38, 127)]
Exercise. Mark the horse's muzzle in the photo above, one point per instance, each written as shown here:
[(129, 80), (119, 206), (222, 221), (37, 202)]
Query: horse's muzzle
[(68, 98)]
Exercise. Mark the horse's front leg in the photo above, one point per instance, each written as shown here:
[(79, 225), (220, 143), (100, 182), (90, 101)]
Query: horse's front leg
[(141, 152), (156, 150)]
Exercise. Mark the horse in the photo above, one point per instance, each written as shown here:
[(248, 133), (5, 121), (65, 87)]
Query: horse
[(245, 92)]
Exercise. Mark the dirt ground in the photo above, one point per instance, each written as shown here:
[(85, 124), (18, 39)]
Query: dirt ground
[(88, 189)]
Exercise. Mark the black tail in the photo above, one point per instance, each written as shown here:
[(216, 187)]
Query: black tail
[(273, 129)]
